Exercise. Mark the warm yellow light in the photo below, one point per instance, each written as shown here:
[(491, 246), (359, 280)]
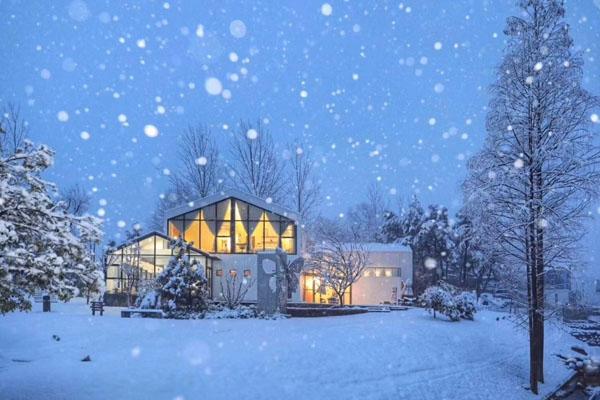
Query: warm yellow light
[(388, 272)]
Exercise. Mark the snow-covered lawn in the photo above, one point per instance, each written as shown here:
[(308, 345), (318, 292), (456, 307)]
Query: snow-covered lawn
[(398, 355)]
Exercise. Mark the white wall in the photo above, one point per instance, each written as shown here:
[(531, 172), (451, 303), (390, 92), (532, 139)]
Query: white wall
[(240, 262), (376, 290)]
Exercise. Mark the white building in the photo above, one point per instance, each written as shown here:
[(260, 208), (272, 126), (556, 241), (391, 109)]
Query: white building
[(228, 230)]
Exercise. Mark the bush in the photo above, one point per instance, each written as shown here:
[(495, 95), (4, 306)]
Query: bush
[(446, 300), (465, 303)]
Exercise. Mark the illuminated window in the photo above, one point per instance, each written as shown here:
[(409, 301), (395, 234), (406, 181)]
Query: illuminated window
[(271, 231), (192, 232), (288, 236), (233, 273), (388, 272), (175, 228), (234, 226), (207, 235), (367, 273)]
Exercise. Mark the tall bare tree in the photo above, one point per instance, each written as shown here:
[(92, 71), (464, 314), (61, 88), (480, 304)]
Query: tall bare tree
[(304, 184), (256, 167), (197, 174), (368, 217), (539, 168)]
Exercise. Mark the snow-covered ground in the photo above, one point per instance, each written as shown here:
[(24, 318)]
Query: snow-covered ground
[(398, 355)]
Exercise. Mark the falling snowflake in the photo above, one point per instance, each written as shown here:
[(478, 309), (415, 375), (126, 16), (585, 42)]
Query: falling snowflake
[(151, 131)]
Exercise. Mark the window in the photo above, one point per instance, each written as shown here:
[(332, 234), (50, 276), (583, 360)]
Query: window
[(219, 272), (207, 235), (234, 226), (233, 273), (192, 232), (175, 228), (271, 238), (150, 256), (288, 236), (247, 273), (381, 272)]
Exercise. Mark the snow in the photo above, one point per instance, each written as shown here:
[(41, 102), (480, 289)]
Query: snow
[(402, 355), (151, 131), (213, 86)]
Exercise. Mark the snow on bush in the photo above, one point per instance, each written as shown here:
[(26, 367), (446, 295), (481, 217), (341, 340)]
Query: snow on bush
[(465, 303), (446, 300), (182, 286), (219, 311)]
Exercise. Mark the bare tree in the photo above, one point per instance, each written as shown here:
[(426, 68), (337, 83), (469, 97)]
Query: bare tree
[(196, 176), (255, 166), (539, 169), (305, 186), (369, 215), (234, 290), (337, 262), (130, 267), (77, 201), (13, 129)]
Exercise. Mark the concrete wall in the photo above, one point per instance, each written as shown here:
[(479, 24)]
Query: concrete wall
[(378, 289), (240, 262)]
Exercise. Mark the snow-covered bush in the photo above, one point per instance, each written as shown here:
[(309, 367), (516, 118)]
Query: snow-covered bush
[(182, 286), (43, 247), (150, 300), (219, 311), (445, 299), (439, 300), (465, 303)]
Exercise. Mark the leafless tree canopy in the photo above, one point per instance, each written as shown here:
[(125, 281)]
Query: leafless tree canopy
[(196, 176), (13, 129), (257, 169), (368, 216), (337, 261), (305, 187), (76, 200)]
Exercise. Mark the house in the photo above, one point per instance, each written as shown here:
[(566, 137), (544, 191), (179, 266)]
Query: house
[(226, 232)]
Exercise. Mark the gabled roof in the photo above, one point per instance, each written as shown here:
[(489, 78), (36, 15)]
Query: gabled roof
[(129, 242), (236, 194)]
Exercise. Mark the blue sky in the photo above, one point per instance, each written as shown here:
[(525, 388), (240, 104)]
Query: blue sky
[(394, 92)]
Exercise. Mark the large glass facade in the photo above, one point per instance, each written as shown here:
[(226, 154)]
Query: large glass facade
[(149, 255), (234, 226)]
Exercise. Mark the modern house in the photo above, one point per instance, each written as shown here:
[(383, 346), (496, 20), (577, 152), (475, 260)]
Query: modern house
[(226, 231)]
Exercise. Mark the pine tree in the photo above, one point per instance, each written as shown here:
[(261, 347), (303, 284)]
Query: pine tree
[(182, 285), (42, 246), (538, 171)]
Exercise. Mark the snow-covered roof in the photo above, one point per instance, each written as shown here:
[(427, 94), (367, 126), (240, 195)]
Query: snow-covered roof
[(136, 239), (236, 194), (385, 247)]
